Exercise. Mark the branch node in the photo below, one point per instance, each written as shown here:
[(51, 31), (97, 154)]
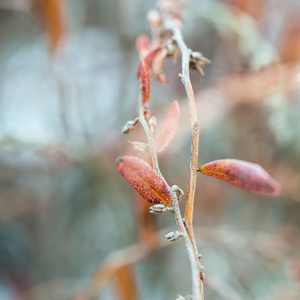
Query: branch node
[(152, 123), (173, 236), (197, 60), (130, 125), (184, 223), (202, 272), (179, 192), (160, 208)]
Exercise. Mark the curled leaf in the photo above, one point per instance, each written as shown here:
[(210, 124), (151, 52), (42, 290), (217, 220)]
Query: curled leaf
[(168, 129), (144, 180), (144, 80), (242, 174)]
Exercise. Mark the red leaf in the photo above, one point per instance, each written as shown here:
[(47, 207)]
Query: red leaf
[(168, 129), (144, 180), (245, 175), (143, 77)]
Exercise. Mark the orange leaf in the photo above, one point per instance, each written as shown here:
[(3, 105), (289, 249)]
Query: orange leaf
[(144, 80), (245, 175), (144, 180), (168, 129)]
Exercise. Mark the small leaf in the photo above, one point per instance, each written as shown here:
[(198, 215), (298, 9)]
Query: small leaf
[(144, 180), (168, 129), (245, 175), (144, 80)]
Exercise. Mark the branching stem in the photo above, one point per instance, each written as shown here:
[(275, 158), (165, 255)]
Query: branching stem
[(185, 79), (189, 242)]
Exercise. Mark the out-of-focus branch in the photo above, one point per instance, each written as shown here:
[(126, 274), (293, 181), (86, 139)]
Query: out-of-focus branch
[(120, 259)]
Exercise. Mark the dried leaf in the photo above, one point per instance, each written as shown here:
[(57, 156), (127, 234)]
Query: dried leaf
[(168, 129), (144, 180), (245, 175), (144, 80), (197, 61)]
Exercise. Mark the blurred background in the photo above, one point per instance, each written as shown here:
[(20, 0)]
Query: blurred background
[(68, 85)]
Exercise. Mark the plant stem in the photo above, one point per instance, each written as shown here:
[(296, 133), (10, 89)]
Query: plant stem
[(185, 79), (193, 257), (192, 252)]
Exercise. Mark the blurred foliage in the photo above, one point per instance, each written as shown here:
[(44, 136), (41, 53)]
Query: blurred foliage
[(68, 85)]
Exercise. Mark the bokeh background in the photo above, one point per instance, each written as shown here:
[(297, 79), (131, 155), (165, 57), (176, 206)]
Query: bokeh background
[(68, 85)]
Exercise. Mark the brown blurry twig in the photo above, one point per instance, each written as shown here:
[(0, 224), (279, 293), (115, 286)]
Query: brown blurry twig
[(120, 259)]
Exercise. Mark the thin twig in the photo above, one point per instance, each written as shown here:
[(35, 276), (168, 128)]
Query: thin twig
[(124, 257), (193, 257), (185, 79)]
